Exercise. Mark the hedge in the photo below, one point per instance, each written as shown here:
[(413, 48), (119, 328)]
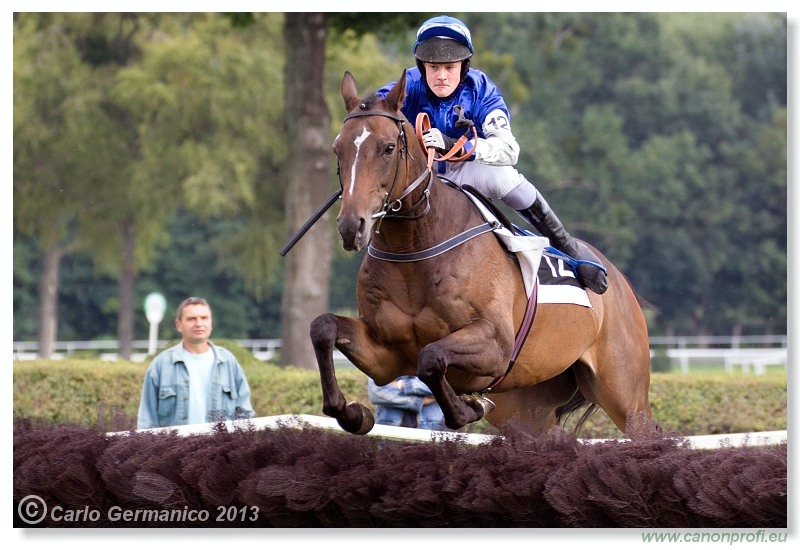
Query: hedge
[(91, 392)]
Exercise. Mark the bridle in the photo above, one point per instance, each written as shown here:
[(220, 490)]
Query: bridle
[(392, 208)]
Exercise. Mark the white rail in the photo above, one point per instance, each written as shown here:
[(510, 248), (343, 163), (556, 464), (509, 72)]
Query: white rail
[(300, 421), (264, 349), (758, 358)]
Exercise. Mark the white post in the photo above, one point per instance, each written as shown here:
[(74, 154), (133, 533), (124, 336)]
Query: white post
[(153, 342), (154, 307)]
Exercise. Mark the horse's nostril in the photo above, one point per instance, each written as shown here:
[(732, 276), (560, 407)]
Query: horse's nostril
[(353, 229)]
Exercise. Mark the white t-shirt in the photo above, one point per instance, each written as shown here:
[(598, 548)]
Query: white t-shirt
[(199, 366)]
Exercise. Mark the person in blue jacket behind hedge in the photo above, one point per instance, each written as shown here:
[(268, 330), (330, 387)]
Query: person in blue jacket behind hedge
[(406, 401)]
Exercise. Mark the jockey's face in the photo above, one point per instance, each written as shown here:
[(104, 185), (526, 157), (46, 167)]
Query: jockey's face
[(443, 78)]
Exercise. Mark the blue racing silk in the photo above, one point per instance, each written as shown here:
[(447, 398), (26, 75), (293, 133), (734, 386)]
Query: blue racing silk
[(477, 94)]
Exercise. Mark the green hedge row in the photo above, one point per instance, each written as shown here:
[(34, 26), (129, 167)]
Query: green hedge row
[(106, 394)]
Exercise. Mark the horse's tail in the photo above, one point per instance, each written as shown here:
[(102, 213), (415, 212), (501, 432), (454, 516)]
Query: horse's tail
[(565, 411)]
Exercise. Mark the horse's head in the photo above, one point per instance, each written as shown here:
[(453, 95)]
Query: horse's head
[(371, 149)]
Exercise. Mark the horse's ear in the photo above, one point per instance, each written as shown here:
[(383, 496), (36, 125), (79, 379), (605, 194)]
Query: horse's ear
[(349, 93), (394, 101)]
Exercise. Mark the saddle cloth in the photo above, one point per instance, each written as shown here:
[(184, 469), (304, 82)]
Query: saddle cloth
[(557, 282)]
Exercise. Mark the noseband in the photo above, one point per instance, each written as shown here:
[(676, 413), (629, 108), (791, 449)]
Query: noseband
[(391, 208)]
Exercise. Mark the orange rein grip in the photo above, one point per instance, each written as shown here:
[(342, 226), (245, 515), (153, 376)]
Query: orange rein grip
[(423, 123)]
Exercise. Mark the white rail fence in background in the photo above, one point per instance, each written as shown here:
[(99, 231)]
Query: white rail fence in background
[(745, 352), (107, 349), (759, 359)]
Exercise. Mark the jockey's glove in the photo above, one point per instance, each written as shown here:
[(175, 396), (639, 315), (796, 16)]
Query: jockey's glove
[(436, 139)]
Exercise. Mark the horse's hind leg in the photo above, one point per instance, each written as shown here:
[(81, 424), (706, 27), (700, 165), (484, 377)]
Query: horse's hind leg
[(620, 389)]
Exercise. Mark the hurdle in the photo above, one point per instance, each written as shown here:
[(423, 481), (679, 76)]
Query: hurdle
[(301, 421)]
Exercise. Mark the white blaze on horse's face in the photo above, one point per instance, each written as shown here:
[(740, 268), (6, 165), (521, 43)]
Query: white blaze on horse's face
[(355, 219), (357, 142)]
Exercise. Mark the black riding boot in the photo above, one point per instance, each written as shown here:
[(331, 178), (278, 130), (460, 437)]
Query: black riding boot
[(544, 220)]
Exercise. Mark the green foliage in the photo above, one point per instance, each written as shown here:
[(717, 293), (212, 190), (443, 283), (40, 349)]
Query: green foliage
[(77, 391), (659, 137), (710, 403), (720, 403), (89, 392), (660, 362), (640, 129)]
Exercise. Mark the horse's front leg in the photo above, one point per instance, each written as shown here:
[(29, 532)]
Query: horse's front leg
[(477, 350), (353, 338)]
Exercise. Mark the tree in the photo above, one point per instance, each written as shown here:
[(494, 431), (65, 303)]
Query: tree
[(50, 98), (160, 110), (659, 137), (307, 129), (307, 123), (643, 131), (204, 102)]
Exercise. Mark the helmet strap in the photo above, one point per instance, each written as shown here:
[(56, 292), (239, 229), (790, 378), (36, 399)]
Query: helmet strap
[(464, 69)]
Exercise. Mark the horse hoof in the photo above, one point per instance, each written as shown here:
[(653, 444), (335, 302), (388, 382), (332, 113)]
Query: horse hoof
[(362, 421)]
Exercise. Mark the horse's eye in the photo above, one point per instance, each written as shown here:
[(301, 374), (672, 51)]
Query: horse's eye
[(389, 149)]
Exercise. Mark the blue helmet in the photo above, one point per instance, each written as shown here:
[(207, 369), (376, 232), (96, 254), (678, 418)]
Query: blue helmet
[(443, 39)]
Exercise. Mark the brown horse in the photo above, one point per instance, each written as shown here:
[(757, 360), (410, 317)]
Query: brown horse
[(451, 319)]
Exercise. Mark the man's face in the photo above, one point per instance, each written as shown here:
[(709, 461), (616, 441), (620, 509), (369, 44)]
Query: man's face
[(443, 78), (195, 323)]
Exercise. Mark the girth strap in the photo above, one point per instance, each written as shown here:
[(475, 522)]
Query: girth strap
[(522, 335)]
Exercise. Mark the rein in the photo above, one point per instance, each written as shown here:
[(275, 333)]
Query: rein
[(423, 124), (391, 208)]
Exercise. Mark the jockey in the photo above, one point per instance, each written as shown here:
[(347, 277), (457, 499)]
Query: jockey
[(442, 81)]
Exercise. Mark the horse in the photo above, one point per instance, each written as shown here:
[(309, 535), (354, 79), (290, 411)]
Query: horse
[(452, 318)]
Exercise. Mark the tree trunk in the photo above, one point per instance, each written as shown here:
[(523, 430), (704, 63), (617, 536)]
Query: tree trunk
[(125, 281), (48, 300), (308, 265)]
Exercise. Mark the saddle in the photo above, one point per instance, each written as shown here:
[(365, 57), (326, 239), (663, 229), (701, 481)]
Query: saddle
[(542, 262), (515, 229)]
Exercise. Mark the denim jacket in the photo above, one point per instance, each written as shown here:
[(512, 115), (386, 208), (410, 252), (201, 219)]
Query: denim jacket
[(392, 403), (165, 393)]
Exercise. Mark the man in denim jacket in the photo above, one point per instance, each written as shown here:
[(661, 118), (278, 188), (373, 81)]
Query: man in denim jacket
[(195, 381), (407, 402)]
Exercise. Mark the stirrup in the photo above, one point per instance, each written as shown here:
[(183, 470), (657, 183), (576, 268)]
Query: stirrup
[(574, 263)]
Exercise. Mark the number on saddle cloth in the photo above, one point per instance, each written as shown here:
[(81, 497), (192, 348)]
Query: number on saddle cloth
[(569, 260)]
